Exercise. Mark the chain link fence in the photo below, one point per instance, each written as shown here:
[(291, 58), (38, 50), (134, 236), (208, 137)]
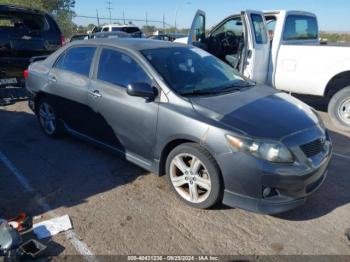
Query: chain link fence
[(147, 25)]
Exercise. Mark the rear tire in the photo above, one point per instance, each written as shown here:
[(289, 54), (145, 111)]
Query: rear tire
[(339, 109), (194, 176), (47, 118)]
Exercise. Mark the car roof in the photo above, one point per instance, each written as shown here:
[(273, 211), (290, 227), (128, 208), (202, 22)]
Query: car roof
[(134, 44), (110, 33), (283, 11)]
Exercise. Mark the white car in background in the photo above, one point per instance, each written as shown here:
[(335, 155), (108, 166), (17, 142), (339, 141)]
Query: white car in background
[(281, 49), (129, 29)]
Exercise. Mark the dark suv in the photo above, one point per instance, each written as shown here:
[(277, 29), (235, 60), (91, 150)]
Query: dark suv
[(24, 33)]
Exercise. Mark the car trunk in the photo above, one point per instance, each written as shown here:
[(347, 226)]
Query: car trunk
[(22, 36)]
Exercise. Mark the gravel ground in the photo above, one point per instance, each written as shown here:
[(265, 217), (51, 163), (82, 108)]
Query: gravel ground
[(117, 208)]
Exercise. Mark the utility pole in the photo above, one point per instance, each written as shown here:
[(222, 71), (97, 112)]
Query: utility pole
[(146, 18), (109, 3), (176, 13), (98, 18), (124, 16), (163, 22)]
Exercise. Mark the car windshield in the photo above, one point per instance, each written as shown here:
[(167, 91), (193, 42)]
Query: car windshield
[(190, 71)]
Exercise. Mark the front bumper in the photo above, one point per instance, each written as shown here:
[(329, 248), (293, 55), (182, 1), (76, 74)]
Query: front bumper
[(300, 189), (246, 177)]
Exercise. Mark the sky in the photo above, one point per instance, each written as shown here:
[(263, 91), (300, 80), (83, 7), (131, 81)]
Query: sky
[(333, 15)]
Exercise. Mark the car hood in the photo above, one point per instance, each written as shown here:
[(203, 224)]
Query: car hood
[(260, 111)]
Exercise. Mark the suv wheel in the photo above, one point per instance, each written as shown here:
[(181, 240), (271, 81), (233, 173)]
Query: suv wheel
[(194, 175), (47, 119), (339, 109)]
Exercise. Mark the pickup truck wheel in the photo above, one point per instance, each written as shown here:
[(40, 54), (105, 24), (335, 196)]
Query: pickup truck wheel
[(194, 176), (47, 119), (339, 109)]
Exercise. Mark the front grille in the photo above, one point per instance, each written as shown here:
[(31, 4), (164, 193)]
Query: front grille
[(313, 148)]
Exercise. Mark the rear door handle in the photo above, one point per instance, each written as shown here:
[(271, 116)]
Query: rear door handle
[(95, 94), (52, 79)]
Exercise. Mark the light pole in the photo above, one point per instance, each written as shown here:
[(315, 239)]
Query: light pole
[(177, 11)]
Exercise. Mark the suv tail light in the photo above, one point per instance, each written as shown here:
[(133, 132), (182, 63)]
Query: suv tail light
[(25, 73), (63, 40)]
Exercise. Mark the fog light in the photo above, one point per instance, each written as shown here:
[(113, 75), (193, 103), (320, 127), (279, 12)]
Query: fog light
[(267, 191)]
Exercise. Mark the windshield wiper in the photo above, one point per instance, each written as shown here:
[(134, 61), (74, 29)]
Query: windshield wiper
[(199, 92), (236, 87), (228, 88), (239, 84)]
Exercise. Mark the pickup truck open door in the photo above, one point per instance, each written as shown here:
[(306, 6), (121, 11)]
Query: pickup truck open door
[(257, 46), (253, 59), (197, 34)]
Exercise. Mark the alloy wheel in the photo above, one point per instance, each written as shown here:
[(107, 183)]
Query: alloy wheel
[(190, 178), (47, 118)]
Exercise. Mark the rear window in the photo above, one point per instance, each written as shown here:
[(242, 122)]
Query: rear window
[(23, 21), (300, 27), (77, 60), (128, 29)]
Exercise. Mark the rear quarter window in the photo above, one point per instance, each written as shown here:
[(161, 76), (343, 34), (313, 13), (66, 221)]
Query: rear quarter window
[(300, 27)]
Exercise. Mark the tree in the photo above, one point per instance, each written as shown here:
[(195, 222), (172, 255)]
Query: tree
[(148, 29), (62, 11), (54, 6), (37, 4)]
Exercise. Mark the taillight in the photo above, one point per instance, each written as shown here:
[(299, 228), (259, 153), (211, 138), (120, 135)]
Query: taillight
[(63, 40), (25, 73)]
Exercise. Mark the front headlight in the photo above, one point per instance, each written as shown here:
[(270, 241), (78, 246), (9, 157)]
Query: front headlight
[(267, 150)]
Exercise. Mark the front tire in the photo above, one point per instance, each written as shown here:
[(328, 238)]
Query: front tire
[(47, 118), (339, 109), (194, 176)]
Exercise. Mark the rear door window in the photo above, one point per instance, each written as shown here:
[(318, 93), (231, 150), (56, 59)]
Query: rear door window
[(120, 69), (300, 27), (77, 60)]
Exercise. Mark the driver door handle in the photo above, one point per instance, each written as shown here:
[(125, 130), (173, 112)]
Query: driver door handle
[(95, 93)]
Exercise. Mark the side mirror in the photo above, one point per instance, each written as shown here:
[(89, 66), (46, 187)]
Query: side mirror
[(141, 90)]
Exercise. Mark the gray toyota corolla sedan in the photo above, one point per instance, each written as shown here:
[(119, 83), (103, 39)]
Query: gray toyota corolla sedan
[(177, 110)]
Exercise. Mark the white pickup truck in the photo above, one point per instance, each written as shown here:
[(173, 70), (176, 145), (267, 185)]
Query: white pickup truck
[(281, 49)]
